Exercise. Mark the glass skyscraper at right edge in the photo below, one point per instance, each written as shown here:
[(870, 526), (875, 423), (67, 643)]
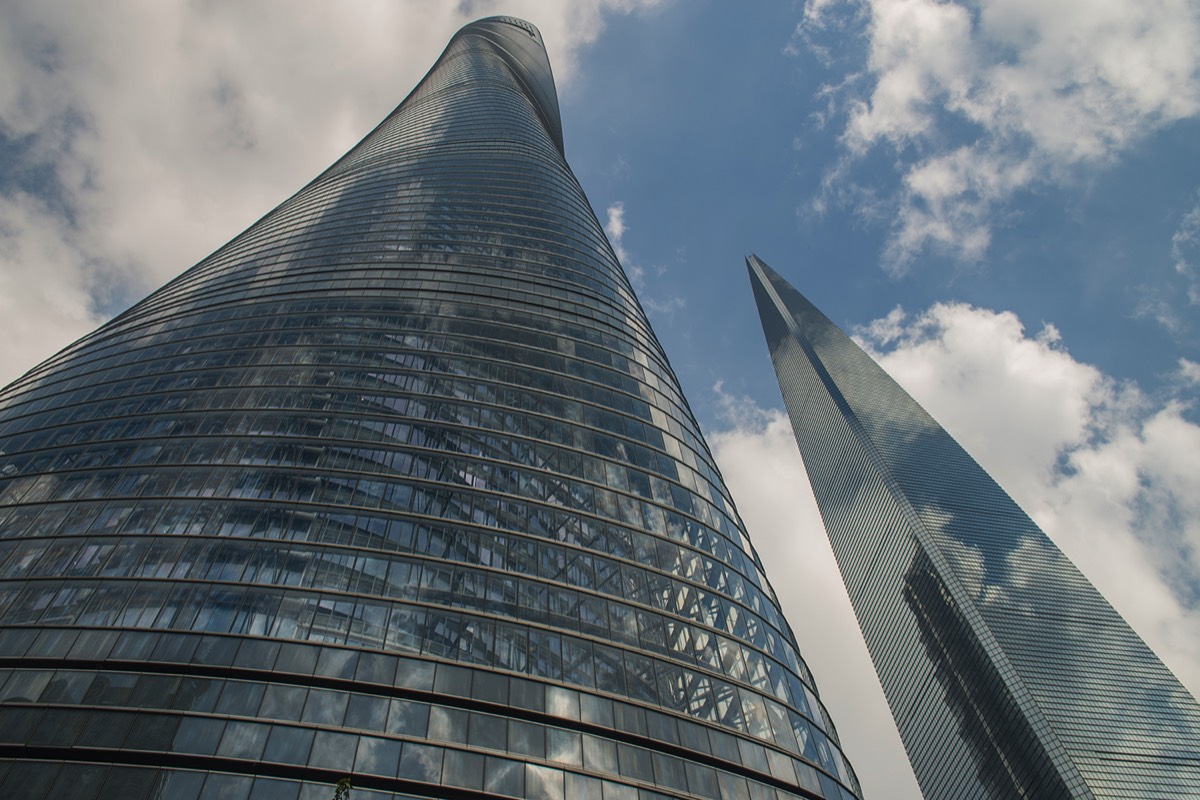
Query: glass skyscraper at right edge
[(1008, 674)]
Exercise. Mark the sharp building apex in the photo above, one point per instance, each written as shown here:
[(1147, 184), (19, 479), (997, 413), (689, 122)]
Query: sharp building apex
[(1008, 674)]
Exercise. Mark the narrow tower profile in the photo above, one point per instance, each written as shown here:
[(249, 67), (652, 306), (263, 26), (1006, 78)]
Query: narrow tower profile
[(398, 485), (1008, 675)]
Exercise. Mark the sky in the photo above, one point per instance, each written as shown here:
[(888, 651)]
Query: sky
[(999, 198)]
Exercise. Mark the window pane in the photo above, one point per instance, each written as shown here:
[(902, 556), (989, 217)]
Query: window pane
[(408, 718), (334, 751), (244, 740), (462, 768), (199, 735), (505, 777), (289, 745), (377, 756), (421, 762), (543, 783)]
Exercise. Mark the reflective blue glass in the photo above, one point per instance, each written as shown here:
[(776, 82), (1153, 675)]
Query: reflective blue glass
[(1009, 676), (397, 484)]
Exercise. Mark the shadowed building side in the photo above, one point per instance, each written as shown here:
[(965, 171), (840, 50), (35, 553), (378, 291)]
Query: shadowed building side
[(1009, 676)]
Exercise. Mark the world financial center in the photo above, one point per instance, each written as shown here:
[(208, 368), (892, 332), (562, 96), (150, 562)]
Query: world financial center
[(398, 485), (1009, 676)]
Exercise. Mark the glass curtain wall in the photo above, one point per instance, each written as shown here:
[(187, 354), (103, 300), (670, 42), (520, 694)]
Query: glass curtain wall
[(1009, 676), (398, 484)]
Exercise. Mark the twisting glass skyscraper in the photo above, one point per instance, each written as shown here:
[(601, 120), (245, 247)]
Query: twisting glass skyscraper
[(1008, 674), (396, 484)]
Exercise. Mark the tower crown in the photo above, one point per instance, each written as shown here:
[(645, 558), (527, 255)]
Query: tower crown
[(520, 45)]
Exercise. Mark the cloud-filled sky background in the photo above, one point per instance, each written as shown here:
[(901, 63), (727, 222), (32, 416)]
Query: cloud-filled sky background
[(999, 198)]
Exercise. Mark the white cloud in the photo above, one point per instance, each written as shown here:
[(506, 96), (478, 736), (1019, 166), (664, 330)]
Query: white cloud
[(1185, 250), (982, 99), (46, 282), (1171, 303), (665, 307), (1108, 472), (886, 330), (1188, 373), (615, 228), (157, 132), (1016, 382)]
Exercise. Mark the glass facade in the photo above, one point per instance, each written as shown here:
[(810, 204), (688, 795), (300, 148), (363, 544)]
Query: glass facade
[(1009, 676), (397, 484)]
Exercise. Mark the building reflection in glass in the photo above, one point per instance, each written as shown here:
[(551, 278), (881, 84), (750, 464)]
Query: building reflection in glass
[(1008, 674), (397, 484)]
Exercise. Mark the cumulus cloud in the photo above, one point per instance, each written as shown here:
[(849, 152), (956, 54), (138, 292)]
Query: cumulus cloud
[(982, 99), (1185, 246), (614, 226), (1106, 470), (665, 307), (1188, 373), (45, 281), (148, 135), (1185, 250), (1172, 302)]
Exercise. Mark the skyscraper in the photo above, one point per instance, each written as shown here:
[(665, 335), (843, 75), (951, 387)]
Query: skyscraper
[(397, 484), (1009, 676)]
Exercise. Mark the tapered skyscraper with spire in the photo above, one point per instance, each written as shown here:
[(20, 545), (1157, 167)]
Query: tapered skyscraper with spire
[(398, 485), (1009, 676)]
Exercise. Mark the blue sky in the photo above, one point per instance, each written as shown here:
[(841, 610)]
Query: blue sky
[(1000, 197)]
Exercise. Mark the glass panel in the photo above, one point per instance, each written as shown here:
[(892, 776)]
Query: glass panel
[(448, 724), (564, 747), (270, 789), (583, 787), (367, 712), (244, 740), (199, 735), (504, 777), (464, 769), (600, 755), (226, 787), (240, 697), (376, 668), (419, 762), (334, 751), (543, 783), (289, 745), (408, 718), (128, 782), (152, 732), (58, 727), (179, 785), (325, 707), (67, 688), (377, 756), (526, 739), (78, 781), (283, 702)]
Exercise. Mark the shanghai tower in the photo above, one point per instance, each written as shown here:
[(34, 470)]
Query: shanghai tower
[(397, 485), (1009, 676)]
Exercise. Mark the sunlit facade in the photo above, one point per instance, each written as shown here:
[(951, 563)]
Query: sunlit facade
[(1009, 676), (398, 484)]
